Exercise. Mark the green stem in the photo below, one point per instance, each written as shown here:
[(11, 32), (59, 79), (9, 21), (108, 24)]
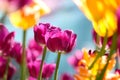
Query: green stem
[(57, 65), (23, 64), (6, 70), (97, 41), (112, 49), (41, 65), (102, 51)]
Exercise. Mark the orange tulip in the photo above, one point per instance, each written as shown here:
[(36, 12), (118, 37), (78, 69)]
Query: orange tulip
[(86, 74)]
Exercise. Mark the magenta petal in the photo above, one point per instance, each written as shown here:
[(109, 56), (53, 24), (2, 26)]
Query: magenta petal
[(34, 68), (48, 70), (32, 78), (66, 76), (11, 68), (35, 48), (11, 71), (3, 31), (16, 52), (53, 44), (72, 40), (40, 31), (8, 43), (73, 61), (117, 71)]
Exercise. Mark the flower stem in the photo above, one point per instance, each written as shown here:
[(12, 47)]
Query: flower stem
[(41, 65), (6, 70), (23, 64), (57, 65), (112, 49), (102, 51)]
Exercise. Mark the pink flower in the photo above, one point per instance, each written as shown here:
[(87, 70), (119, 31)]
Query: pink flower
[(34, 50), (66, 76), (48, 70), (40, 31), (74, 59), (34, 68), (6, 40), (11, 68), (16, 52), (58, 40)]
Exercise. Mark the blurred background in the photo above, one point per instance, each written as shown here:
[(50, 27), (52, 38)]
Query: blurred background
[(64, 14)]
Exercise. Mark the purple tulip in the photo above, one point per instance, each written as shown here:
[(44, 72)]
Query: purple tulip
[(8, 43), (11, 68), (34, 49), (6, 40), (74, 59), (3, 32), (48, 70), (66, 76), (34, 68), (60, 40), (16, 52), (40, 31)]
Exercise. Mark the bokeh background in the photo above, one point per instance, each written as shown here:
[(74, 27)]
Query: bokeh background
[(64, 14)]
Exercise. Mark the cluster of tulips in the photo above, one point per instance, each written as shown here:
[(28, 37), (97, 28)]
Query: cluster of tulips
[(102, 63)]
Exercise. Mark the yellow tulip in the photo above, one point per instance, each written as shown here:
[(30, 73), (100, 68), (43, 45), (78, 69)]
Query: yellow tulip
[(27, 16), (101, 13), (106, 25)]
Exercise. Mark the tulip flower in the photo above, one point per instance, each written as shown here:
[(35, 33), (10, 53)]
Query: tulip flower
[(16, 52), (40, 31), (34, 50), (48, 70), (6, 40), (41, 34), (66, 76), (102, 14), (61, 40), (27, 16), (34, 68), (11, 69)]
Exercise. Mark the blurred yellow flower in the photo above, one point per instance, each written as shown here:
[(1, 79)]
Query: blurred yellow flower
[(101, 13), (85, 74), (27, 16)]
